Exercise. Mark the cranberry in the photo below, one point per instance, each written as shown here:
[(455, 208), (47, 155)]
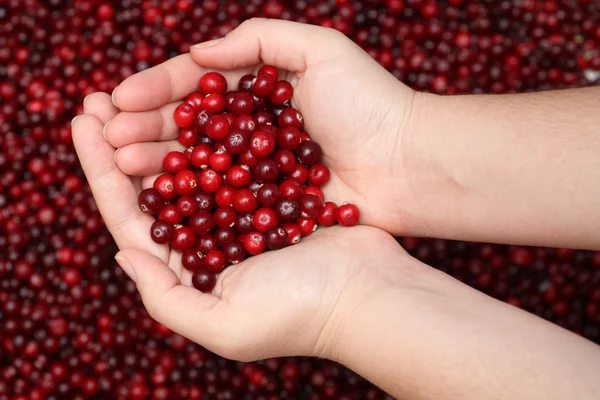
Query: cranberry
[(200, 156), (288, 138), (206, 243), (150, 201), (327, 216), (315, 191), (254, 243), (268, 69), (276, 238), (347, 215), (186, 206), (310, 205), (299, 174), (309, 152), (192, 260), (234, 251), (245, 201), (215, 261), (204, 200), (183, 238), (236, 142), (185, 183), (245, 83), (214, 103), (291, 117), (187, 137), (318, 175), (204, 280), (266, 170), (263, 85), (291, 189), (209, 180), (262, 144), (225, 235), (213, 82), (287, 210), (268, 194), (243, 103), (220, 161), (243, 223), (239, 176), (282, 92), (306, 225), (184, 115), (217, 127), (225, 195), (201, 222), (225, 216), (293, 233), (264, 218), (162, 232)]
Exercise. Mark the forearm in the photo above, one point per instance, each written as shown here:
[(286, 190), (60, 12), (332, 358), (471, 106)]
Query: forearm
[(441, 339), (508, 168)]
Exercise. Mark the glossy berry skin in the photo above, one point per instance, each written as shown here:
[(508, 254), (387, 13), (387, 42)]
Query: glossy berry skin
[(347, 215), (263, 85), (262, 144), (192, 260), (276, 238), (327, 216), (204, 280), (239, 176), (266, 170), (217, 127), (150, 201), (170, 214), (206, 243), (175, 161), (185, 183), (234, 252), (282, 92), (204, 200), (186, 206), (183, 239), (287, 210), (306, 225), (165, 184), (309, 152), (201, 222), (195, 99), (209, 180), (214, 103), (184, 115), (224, 217), (285, 160), (288, 138), (310, 205), (291, 117), (235, 141), (215, 261), (243, 103), (264, 218), (245, 124), (318, 175), (161, 232), (245, 83), (225, 235), (243, 223), (255, 243), (315, 191), (220, 161), (294, 235), (299, 174), (268, 194), (187, 137), (291, 189), (268, 69), (200, 156), (245, 201), (224, 195), (212, 82)]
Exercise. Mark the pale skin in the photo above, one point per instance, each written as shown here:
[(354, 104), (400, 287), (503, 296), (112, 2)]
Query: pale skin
[(472, 167)]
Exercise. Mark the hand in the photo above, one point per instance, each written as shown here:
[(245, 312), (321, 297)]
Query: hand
[(289, 302)]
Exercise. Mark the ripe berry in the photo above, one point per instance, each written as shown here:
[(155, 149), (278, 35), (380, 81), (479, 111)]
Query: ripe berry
[(170, 214), (239, 176), (287, 210), (165, 184), (201, 222), (268, 69), (291, 117), (247, 158), (224, 216), (150, 201), (214, 103), (204, 280), (299, 174), (310, 205), (255, 243), (186, 206), (175, 161), (225, 235), (315, 191), (183, 238), (213, 82), (262, 144), (242, 103), (268, 194), (215, 261), (327, 217), (184, 115), (263, 85), (191, 259), (220, 161), (293, 233), (347, 215), (318, 175), (245, 202), (161, 232), (285, 160), (266, 170), (243, 223), (187, 137), (245, 83), (291, 189), (288, 138), (236, 141), (276, 238), (210, 180), (234, 252), (185, 183), (205, 201), (200, 156), (306, 225), (309, 152), (206, 243), (217, 127), (264, 218), (282, 92), (225, 195)]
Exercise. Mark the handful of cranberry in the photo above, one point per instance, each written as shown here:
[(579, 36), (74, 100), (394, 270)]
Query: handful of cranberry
[(248, 182)]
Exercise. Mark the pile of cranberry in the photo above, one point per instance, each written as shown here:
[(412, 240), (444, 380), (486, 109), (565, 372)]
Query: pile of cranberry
[(72, 325), (248, 181)]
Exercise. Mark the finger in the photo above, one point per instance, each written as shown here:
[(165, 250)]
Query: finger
[(142, 159), (145, 126), (113, 191), (283, 44), (100, 105), (181, 308), (148, 181), (165, 83)]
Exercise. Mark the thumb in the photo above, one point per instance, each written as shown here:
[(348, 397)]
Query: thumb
[(287, 45), (180, 308)]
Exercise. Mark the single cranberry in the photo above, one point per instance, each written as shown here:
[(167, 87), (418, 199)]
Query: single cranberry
[(309, 152), (266, 170), (236, 142), (204, 280), (282, 92), (243, 103), (327, 217), (161, 232), (201, 222), (220, 161), (239, 176), (293, 233), (217, 127), (186, 205), (209, 180), (347, 215), (262, 144), (201, 155), (225, 195), (310, 205), (291, 117), (225, 235), (215, 261), (264, 118), (213, 82), (318, 175), (270, 70), (150, 201), (245, 83), (315, 191), (290, 189), (206, 243), (285, 159), (245, 201), (263, 85), (214, 103), (276, 238), (204, 200), (183, 238), (288, 138), (224, 216), (264, 218), (247, 158), (192, 260), (306, 225), (187, 137), (287, 210), (184, 115), (255, 243), (200, 121), (299, 174), (170, 214), (185, 183), (243, 223), (195, 99), (268, 194), (234, 252)]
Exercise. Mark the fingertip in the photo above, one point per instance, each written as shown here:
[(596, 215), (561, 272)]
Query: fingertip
[(104, 130), (113, 96)]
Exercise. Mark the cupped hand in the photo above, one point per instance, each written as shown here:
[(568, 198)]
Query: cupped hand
[(288, 302)]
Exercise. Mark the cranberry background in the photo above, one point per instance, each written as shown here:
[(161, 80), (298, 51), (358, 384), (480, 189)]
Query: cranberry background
[(72, 325)]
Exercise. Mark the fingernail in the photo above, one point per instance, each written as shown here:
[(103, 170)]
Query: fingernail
[(126, 267), (73, 120), (104, 130), (115, 155), (85, 100), (112, 96), (209, 43)]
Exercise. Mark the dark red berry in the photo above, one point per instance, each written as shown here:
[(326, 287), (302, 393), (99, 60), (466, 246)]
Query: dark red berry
[(243, 103), (201, 222), (201, 155), (161, 232), (245, 83), (262, 144), (187, 137), (192, 260), (215, 261), (165, 184), (150, 201), (309, 152), (217, 127), (299, 174), (224, 216), (263, 85), (214, 103), (268, 69), (287, 210), (289, 116), (184, 115), (268, 194), (290, 189), (282, 92), (239, 176), (288, 138), (327, 217), (224, 236), (170, 214), (266, 170), (186, 205), (234, 252), (236, 142), (243, 223), (225, 195), (206, 243), (245, 201), (310, 205), (276, 238), (306, 225), (315, 191), (294, 235), (319, 175), (205, 201), (204, 280), (183, 238)]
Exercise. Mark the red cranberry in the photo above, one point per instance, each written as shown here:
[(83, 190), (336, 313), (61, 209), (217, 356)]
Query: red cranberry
[(245, 83), (276, 238), (213, 82), (150, 201), (245, 201), (200, 156), (299, 174), (266, 170), (243, 103), (225, 216), (175, 161), (192, 260), (255, 243), (206, 243), (347, 215), (186, 205), (309, 152), (268, 69), (262, 144), (287, 210), (264, 218), (201, 222), (220, 161), (306, 225), (161, 232), (183, 239), (327, 217), (214, 103), (282, 92), (184, 115), (263, 85), (217, 127), (209, 180), (215, 261), (291, 189), (204, 280), (293, 233), (239, 176), (291, 117), (310, 205), (234, 251), (318, 175), (268, 194)]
